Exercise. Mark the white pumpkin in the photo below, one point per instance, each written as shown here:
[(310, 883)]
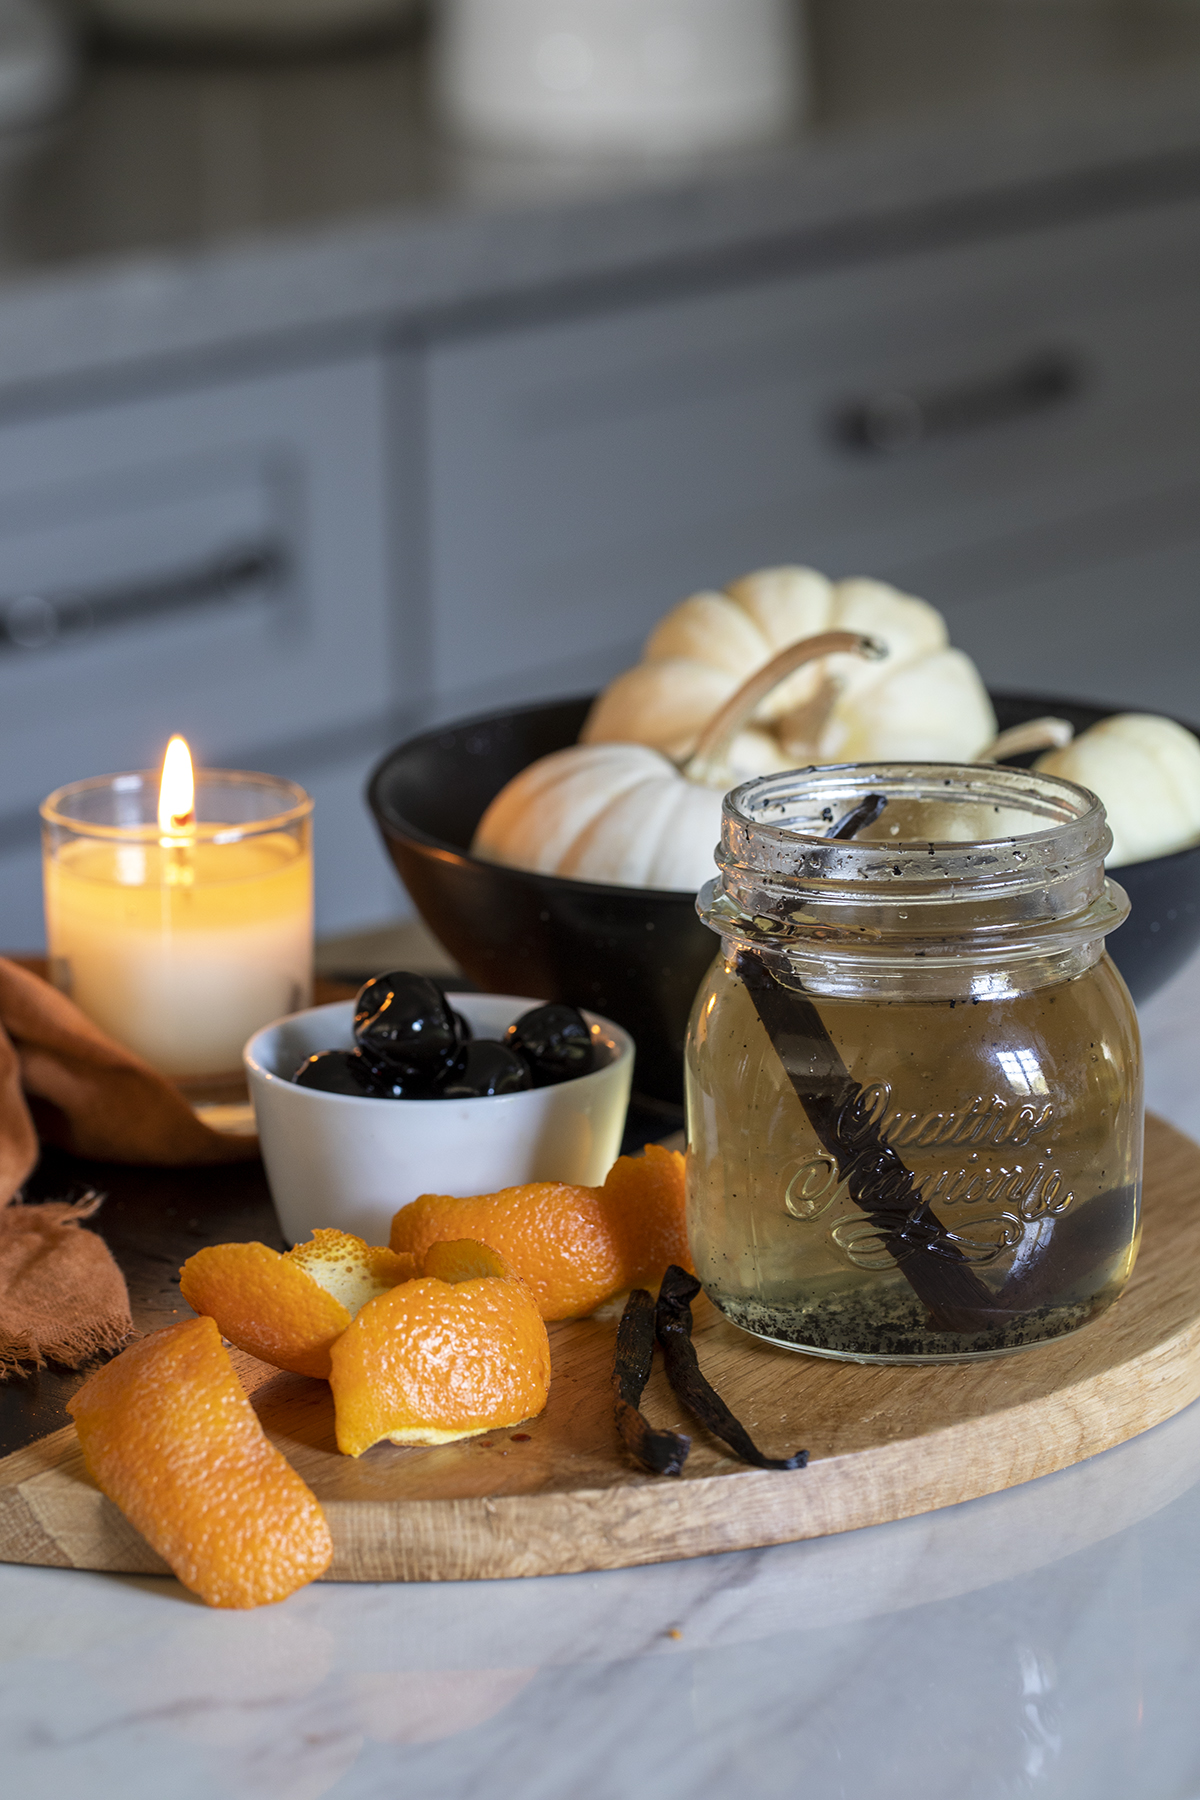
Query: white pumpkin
[(624, 813), (926, 703), (619, 813), (1146, 771)]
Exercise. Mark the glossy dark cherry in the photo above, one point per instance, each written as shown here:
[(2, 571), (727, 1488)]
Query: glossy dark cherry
[(412, 1045), (486, 1067), (336, 1072), (556, 1043), (390, 1083), (403, 1022)]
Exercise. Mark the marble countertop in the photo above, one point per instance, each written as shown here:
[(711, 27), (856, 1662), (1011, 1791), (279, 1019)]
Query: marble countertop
[(177, 209), (1041, 1641)]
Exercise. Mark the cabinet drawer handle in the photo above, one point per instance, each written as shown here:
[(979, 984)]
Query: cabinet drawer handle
[(901, 418), (35, 621)]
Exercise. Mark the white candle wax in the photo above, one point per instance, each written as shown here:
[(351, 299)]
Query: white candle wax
[(181, 947)]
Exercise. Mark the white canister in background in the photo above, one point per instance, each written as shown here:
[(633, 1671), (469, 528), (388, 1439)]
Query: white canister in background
[(672, 75)]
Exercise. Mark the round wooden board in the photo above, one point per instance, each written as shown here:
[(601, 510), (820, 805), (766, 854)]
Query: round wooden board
[(884, 1442)]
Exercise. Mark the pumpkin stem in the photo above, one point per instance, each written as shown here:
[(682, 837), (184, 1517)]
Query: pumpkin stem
[(708, 761), (799, 731), (1034, 734)]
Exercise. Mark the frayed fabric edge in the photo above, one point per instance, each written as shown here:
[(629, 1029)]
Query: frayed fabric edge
[(65, 1212), (19, 1356)]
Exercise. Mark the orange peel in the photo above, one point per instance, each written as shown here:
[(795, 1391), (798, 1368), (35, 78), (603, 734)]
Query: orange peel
[(644, 1201), (575, 1247), (457, 1351), (288, 1308), (168, 1434)]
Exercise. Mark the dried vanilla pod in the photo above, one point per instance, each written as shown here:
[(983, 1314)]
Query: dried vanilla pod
[(673, 1323), (859, 817), (877, 1179), (661, 1452)]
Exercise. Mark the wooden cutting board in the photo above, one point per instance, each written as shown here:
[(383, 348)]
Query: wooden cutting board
[(560, 1494)]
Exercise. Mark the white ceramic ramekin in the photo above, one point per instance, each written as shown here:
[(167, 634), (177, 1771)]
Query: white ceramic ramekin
[(334, 1159)]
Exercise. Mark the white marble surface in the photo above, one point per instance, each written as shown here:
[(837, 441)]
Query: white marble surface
[(1038, 1642), (1041, 1642)]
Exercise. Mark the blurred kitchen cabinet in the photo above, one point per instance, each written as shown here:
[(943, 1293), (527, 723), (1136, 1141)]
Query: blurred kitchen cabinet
[(212, 560), (1009, 426), (294, 564)]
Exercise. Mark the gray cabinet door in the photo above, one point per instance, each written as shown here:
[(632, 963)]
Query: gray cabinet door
[(1009, 427), (211, 560)]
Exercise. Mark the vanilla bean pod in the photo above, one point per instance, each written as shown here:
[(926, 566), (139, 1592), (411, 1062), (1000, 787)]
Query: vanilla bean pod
[(875, 1176), (859, 817), (673, 1322), (662, 1452)]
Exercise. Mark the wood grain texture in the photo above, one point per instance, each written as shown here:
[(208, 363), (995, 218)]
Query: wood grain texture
[(885, 1442)]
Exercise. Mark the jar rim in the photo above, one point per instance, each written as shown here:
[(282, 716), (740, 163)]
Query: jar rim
[(903, 906), (1079, 827)]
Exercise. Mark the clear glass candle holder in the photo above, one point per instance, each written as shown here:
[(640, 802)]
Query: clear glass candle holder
[(914, 1087), (180, 946)]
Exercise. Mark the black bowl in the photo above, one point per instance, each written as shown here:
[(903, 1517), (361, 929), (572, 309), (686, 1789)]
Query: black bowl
[(637, 955)]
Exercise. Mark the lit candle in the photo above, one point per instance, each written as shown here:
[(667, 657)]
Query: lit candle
[(179, 911)]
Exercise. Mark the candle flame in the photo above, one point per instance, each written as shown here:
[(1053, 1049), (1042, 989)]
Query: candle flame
[(177, 793)]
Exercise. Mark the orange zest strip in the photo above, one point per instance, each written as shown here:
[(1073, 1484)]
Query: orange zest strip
[(458, 1351), (643, 1197), (169, 1435), (287, 1309), (575, 1247)]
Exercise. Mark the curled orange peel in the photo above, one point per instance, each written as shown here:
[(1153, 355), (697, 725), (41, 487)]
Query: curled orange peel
[(288, 1308), (168, 1434), (575, 1247), (458, 1350)]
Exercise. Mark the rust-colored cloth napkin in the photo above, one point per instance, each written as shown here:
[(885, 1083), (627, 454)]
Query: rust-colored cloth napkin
[(62, 1296)]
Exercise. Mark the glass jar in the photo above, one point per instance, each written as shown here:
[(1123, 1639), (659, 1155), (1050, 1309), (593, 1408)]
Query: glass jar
[(914, 1091)]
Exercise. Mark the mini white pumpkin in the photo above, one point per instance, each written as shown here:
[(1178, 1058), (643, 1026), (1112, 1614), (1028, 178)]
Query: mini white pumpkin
[(623, 813), (1146, 771), (927, 703)]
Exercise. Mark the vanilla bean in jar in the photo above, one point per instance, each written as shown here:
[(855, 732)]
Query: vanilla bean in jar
[(913, 1075)]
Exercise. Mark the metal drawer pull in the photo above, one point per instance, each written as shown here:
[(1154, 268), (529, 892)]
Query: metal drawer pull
[(33, 621), (897, 419)]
